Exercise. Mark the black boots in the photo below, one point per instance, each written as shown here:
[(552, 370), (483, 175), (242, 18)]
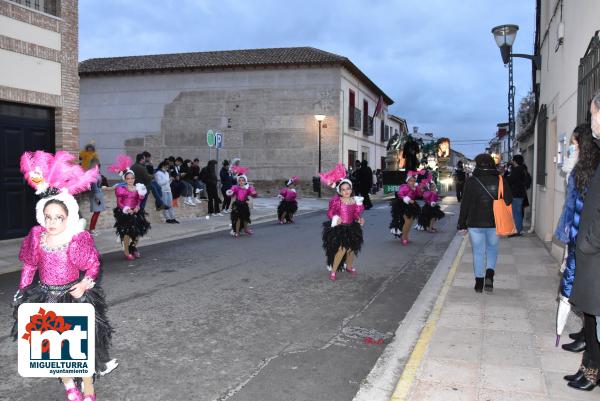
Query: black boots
[(489, 280), (577, 345), (478, 284), (587, 382)]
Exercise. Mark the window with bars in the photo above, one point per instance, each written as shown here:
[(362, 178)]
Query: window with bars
[(588, 78)]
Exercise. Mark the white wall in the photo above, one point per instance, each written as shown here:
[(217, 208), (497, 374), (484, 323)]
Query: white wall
[(30, 73)]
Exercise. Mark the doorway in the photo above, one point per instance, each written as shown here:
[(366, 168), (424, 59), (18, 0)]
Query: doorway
[(22, 128)]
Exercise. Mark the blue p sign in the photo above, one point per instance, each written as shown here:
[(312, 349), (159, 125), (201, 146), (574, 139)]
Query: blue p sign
[(218, 140)]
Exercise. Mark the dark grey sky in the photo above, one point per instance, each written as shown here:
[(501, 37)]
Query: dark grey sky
[(436, 58)]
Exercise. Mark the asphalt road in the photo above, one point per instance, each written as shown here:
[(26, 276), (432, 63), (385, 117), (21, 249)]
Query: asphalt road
[(254, 318)]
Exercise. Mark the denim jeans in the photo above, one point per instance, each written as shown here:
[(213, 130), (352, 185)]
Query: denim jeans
[(167, 198), (484, 242), (157, 192), (517, 210)]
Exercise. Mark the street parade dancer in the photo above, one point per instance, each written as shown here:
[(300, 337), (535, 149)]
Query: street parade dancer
[(288, 206), (60, 261), (241, 195), (405, 207), (130, 221), (342, 233), (431, 211)]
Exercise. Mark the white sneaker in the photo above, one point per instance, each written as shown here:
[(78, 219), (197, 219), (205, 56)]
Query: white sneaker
[(219, 214), (197, 201), (197, 190), (110, 366), (207, 216), (225, 211), (189, 203)]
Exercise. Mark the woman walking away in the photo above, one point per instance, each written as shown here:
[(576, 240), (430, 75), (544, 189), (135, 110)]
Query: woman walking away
[(163, 179), (60, 262), (96, 198), (227, 181), (405, 208), (477, 216), (130, 221), (288, 206), (342, 233)]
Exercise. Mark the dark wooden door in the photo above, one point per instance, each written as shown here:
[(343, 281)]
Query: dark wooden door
[(22, 128)]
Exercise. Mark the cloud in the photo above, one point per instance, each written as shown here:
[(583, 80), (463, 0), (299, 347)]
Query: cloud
[(436, 58)]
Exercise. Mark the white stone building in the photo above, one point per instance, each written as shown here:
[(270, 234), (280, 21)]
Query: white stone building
[(569, 43), (262, 100)]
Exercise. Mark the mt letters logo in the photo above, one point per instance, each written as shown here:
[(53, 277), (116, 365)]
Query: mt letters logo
[(56, 340)]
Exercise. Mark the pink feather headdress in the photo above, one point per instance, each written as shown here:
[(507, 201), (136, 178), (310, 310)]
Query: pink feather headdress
[(294, 180), (332, 177), (51, 174), (121, 166), (239, 170)]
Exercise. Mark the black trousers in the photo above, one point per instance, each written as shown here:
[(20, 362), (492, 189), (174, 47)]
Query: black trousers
[(459, 190), (592, 347), (226, 199), (213, 199)]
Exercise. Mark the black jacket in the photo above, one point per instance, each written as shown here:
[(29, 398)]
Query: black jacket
[(227, 181), (517, 179), (585, 294), (476, 208)]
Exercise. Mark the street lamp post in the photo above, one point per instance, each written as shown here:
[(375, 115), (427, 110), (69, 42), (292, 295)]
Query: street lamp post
[(319, 118), (505, 36)]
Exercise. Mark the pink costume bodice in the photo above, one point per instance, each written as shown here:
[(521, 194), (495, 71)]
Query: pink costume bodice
[(288, 195), (128, 198), (242, 194), (405, 190), (58, 266), (348, 213), (431, 196)]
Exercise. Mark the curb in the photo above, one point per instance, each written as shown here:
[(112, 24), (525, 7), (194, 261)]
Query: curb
[(394, 373)]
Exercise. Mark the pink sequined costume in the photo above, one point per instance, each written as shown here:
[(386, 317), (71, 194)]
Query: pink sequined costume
[(342, 229), (133, 225), (58, 270), (288, 206), (431, 209), (240, 212)]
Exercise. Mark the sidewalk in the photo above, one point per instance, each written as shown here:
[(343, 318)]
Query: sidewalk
[(265, 209), (498, 346)]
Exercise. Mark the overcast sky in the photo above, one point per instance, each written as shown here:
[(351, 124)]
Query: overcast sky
[(435, 58)]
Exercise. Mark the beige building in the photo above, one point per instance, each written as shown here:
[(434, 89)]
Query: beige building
[(263, 101), (569, 43), (39, 96)]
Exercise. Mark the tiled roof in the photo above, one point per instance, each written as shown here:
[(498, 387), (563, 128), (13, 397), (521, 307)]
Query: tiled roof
[(230, 59)]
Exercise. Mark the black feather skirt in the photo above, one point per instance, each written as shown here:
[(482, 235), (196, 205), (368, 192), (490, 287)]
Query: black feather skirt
[(240, 211), (348, 236), (287, 207), (397, 214), (133, 225), (44, 293), (430, 212)]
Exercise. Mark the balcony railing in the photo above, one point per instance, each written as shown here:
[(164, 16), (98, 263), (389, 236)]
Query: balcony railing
[(354, 119), (368, 128)]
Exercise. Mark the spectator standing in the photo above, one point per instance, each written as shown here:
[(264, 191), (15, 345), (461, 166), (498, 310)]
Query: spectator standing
[(477, 216), (209, 176), (163, 179), (142, 177), (459, 180), (585, 295), (96, 198), (517, 179), (227, 181), (365, 183)]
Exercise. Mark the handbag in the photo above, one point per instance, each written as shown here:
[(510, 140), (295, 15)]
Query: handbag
[(503, 217)]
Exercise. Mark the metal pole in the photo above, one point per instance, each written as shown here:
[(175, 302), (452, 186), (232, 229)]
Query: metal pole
[(319, 155), (511, 107)]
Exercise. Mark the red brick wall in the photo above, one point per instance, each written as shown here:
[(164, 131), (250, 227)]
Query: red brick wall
[(67, 104)]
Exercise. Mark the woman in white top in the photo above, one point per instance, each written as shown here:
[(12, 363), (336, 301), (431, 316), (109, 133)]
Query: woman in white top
[(163, 179)]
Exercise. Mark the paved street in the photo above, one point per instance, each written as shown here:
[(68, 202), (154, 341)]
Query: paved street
[(254, 318)]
